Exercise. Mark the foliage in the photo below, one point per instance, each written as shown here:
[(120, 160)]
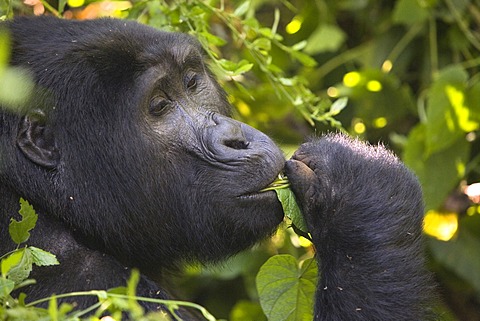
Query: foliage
[(410, 71), (17, 265)]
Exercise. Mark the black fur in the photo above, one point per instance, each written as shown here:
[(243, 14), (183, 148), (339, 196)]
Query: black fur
[(128, 155)]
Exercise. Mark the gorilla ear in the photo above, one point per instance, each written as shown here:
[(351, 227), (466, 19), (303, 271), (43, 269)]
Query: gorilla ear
[(35, 139)]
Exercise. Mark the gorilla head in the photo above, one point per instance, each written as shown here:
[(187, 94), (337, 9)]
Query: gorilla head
[(128, 145)]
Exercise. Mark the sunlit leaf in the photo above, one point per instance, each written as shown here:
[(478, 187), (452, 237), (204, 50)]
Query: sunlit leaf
[(438, 172), (446, 109), (19, 271), (10, 261)]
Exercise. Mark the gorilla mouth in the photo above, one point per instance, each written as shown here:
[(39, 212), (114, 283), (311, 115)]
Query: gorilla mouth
[(258, 195)]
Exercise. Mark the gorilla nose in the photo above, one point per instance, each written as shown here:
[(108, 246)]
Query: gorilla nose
[(231, 141), (230, 133)]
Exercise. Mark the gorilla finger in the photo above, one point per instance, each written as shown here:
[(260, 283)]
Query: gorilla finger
[(303, 181)]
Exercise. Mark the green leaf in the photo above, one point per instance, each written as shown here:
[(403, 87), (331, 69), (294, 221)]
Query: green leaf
[(300, 45), (42, 258), (61, 5), (325, 38), (6, 287), (289, 82), (438, 172), (53, 308), (10, 261), (212, 39), (409, 12), (304, 59), (448, 118), (263, 44), (338, 106), (20, 271), (286, 291), (242, 67), (242, 8), (19, 230), (291, 209), (473, 101)]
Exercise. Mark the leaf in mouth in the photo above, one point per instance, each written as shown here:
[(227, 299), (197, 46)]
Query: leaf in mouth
[(285, 195)]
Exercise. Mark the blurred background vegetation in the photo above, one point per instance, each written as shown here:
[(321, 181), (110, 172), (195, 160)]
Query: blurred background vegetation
[(410, 72)]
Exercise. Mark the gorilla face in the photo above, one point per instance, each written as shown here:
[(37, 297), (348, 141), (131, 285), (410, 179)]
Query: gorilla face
[(149, 166)]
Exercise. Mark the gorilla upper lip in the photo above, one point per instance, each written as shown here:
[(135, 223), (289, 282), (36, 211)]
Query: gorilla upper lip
[(260, 189)]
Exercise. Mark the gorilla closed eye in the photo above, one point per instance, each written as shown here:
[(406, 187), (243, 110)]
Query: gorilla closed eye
[(191, 82), (158, 105)]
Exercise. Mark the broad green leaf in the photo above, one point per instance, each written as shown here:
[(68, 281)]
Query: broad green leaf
[(10, 261), (325, 38), (439, 172), (291, 209), (448, 118), (6, 287), (41, 257), (287, 291), (19, 231), (22, 269), (409, 12)]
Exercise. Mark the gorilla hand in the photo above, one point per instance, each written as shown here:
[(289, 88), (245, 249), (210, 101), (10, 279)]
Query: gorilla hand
[(364, 211)]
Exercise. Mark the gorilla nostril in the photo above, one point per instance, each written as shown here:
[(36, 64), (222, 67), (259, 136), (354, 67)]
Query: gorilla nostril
[(236, 144)]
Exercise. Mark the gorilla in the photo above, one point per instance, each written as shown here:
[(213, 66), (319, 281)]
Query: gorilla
[(128, 153)]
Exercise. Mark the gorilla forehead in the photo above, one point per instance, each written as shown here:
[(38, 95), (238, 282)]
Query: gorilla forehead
[(139, 46), (108, 45)]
